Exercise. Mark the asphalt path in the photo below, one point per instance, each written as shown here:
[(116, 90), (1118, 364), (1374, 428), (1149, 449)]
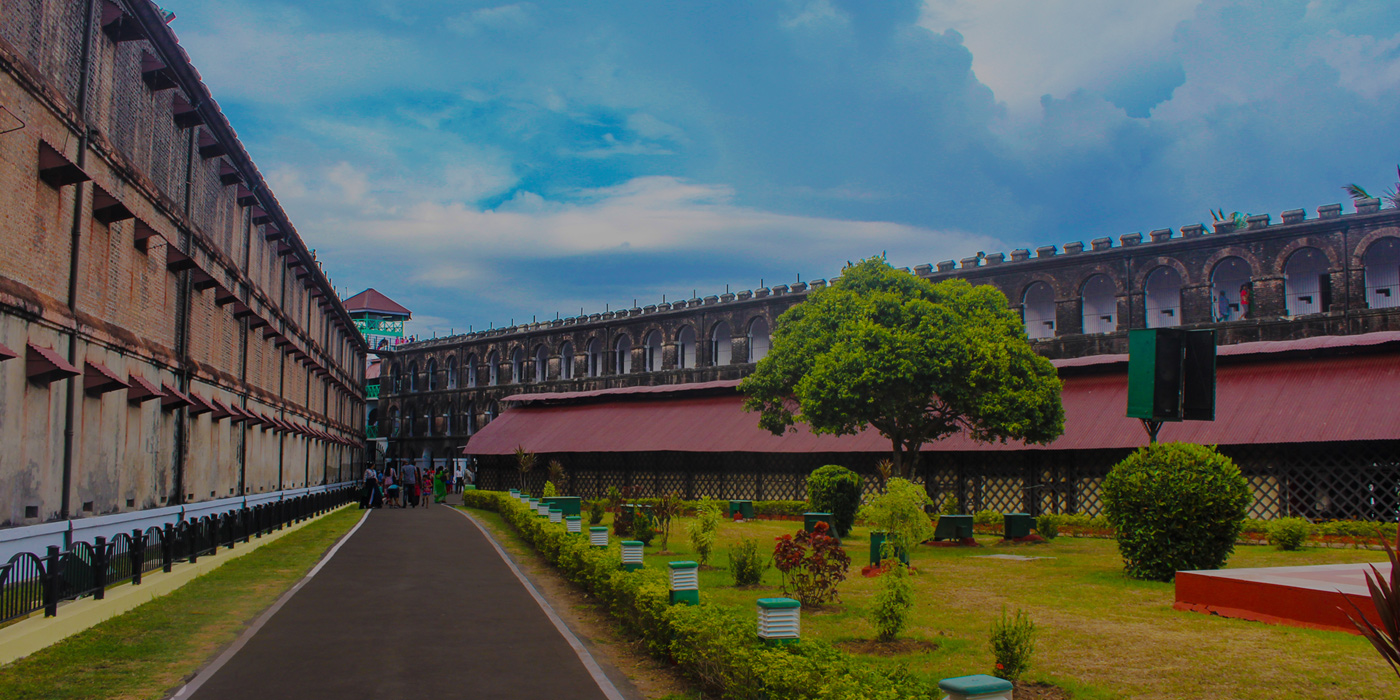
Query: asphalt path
[(417, 604)]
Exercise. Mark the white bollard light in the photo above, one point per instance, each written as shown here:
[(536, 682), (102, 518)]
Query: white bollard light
[(685, 582), (979, 687), (632, 554), (573, 524), (556, 515), (598, 536), (779, 620), (542, 509)]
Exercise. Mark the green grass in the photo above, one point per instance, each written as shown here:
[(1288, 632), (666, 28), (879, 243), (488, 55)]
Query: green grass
[(1101, 634), (149, 651)]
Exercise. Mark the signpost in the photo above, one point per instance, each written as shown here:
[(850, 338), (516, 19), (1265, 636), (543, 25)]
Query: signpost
[(1171, 376)]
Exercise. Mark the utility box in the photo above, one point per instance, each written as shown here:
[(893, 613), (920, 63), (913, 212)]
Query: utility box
[(568, 505), (743, 508), (1016, 525), (685, 582), (779, 620), (877, 543), (979, 687), (953, 527), (810, 520)]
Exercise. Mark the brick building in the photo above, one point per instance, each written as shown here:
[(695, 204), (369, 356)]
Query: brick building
[(1334, 276), (167, 336)]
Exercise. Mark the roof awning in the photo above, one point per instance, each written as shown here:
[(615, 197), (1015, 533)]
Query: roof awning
[(6, 353), (221, 410), (107, 208), (142, 234), (56, 169), (45, 366), (199, 405), (177, 261), (140, 389), (1297, 400), (98, 379), (174, 398)]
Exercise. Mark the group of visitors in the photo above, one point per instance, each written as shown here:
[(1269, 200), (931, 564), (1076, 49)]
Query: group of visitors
[(408, 486)]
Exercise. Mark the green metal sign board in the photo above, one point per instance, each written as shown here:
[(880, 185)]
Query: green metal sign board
[(1171, 375)]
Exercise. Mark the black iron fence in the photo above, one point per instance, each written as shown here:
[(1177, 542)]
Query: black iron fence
[(1319, 481), (30, 582)]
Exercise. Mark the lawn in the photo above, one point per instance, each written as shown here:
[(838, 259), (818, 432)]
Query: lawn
[(1101, 634), (150, 651)]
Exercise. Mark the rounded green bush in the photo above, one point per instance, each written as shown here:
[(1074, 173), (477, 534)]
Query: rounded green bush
[(1289, 533), (1048, 526), (1175, 507), (835, 489)]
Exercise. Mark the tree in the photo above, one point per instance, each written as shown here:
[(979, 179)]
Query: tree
[(1391, 196), (524, 463), (917, 361)]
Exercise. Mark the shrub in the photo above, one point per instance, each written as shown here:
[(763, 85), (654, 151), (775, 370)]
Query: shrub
[(705, 529), (745, 564), (795, 508), (950, 505), (987, 517), (1013, 643), (1175, 506), (812, 564), (835, 489), (595, 512), (893, 602), (556, 474), (666, 509), (549, 489), (1289, 533), (899, 511), (642, 528), (1048, 526)]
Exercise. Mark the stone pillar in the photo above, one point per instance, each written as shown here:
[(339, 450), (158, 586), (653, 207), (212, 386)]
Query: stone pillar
[(1069, 316), (670, 358), (1267, 297), (1195, 304), (739, 349), (552, 372)]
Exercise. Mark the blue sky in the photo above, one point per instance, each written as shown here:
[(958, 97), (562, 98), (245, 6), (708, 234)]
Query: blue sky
[(483, 162)]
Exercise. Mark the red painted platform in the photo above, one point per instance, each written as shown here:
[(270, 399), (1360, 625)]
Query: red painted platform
[(1302, 596)]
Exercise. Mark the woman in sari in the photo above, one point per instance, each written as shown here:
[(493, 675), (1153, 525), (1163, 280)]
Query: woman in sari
[(439, 487)]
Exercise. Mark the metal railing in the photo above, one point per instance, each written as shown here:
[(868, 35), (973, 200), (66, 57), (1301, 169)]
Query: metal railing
[(30, 582), (372, 391)]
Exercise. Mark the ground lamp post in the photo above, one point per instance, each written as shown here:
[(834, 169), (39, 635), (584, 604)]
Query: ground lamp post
[(1171, 376), (685, 582), (515, 493), (779, 620), (573, 524), (555, 515), (980, 687), (632, 555), (598, 536)]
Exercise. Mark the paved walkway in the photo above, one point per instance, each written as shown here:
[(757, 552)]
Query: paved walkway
[(416, 604)]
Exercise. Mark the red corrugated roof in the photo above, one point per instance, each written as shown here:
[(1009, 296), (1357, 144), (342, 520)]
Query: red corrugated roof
[(372, 300), (1282, 401)]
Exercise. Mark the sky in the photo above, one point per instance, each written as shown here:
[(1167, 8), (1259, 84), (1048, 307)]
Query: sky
[(486, 164)]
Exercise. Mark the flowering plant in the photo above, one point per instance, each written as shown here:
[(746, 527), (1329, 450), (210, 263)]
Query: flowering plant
[(812, 565)]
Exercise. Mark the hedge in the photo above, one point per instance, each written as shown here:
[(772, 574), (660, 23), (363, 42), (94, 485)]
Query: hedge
[(717, 646), (760, 508)]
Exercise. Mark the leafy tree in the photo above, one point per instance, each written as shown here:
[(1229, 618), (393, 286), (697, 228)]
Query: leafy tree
[(835, 489), (556, 474), (705, 530), (667, 508), (524, 462), (918, 361), (899, 512), (1391, 195)]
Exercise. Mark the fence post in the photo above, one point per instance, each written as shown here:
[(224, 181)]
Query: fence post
[(51, 582), (192, 540), (138, 555), (99, 568), (247, 522), (167, 547), (229, 520)]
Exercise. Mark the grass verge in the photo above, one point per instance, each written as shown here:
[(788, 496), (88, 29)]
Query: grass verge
[(148, 652)]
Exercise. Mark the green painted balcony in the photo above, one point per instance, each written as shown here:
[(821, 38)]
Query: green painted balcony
[(371, 391), (371, 432)]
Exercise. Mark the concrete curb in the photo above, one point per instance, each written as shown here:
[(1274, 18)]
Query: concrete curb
[(37, 632)]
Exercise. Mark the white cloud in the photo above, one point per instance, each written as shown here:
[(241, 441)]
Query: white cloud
[(501, 18), (1365, 65)]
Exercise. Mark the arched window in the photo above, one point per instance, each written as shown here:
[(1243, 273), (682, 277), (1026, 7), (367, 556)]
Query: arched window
[(396, 378), (623, 361), (1230, 290), (430, 423), (1099, 304), (517, 366), (491, 410), (413, 376), (1038, 310), (432, 375), (445, 419), (1307, 288), (721, 344), (410, 415), (1382, 261), (395, 422), (685, 348), (541, 363), (758, 339), (651, 351), (595, 358), (452, 372), (469, 367), (566, 361), (1162, 297), (373, 418), (493, 369), (469, 419)]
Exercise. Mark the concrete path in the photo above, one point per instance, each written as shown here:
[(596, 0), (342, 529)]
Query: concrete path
[(416, 604)]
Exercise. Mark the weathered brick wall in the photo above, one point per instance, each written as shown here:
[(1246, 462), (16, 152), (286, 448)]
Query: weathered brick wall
[(131, 313)]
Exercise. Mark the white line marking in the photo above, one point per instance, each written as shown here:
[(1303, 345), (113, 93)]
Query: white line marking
[(208, 672), (594, 670)]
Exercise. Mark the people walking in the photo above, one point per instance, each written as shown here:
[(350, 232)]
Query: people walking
[(391, 488), (410, 479), (367, 499)]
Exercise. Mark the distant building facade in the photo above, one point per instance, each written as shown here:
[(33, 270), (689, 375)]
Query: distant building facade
[(167, 336), (381, 321)]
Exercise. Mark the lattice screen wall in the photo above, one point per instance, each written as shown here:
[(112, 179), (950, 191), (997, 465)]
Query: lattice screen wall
[(1359, 480)]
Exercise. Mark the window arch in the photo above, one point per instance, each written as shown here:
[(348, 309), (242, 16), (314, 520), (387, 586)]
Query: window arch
[(685, 348), (721, 344), (492, 410), (517, 365), (413, 376), (1162, 297), (623, 348), (432, 375), (651, 352), (493, 369), (566, 361), (469, 418), (451, 371), (410, 416), (469, 368), (1099, 305), (395, 422), (1307, 286), (1038, 310), (445, 419), (541, 363), (1230, 295), (396, 378), (430, 425), (595, 357), (758, 339), (1382, 262)]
